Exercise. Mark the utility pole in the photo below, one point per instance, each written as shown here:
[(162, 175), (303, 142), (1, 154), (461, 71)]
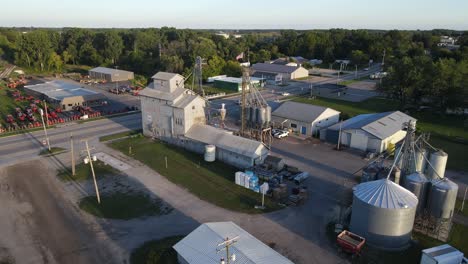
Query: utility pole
[(159, 49), (383, 58), (45, 129), (92, 171), (225, 246), (72, 154), (117, 82), (47, 115), (339, 137), (355, 72), (311, 91)]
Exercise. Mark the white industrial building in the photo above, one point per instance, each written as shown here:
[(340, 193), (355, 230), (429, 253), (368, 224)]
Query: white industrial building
[(110, 75), (286, 72), (200, 246), (177, 115), (368, 132), (305, 119)]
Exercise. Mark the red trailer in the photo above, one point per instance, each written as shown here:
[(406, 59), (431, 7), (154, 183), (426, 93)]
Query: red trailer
[(350, 243)]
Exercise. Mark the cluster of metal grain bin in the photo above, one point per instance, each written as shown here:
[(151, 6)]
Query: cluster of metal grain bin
[(258, 116), (384, 212)]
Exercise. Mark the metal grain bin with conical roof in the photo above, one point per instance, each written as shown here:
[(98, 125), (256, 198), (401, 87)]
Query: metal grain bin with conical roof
[(383, 213), (442, 198), (419, 185)]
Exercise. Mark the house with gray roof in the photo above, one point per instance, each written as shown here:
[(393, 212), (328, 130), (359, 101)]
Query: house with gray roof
[(202, 246), (368, 132), (304, 119), (286, 72)]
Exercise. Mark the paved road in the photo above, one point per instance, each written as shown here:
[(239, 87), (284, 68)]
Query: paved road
[(26, 146)]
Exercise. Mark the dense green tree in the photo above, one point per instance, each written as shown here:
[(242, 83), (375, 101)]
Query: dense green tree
[(112, 46), (232, 68)]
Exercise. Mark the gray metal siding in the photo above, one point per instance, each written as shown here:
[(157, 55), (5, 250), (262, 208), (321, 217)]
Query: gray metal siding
[(332, 136), (383, 228)]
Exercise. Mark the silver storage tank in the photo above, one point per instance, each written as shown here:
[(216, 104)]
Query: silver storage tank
[(383, 213), (438, 160), (268, 115), (248, 114), (442, 198), (253, 114), (419, 185), (421, 156), (261, 117)]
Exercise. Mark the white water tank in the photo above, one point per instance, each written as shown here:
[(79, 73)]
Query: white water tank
[(210, 153)]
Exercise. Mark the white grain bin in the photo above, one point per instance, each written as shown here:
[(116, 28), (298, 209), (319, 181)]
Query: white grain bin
[(383, 213), (210, 153), (419, 185), (442, 198), (420, 162), (438, 160)]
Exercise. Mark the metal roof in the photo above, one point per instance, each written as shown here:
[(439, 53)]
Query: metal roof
[(417, 177), (111, 71), (267, 67), (237, 80), (380, 125), (301, 112), (166, 76), (225, 140), (385, 194), (199, 247), (443, 252), (158, 94), (60, 90)]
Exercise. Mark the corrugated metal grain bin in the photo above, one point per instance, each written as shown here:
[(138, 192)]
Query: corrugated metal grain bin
[(383, 213)]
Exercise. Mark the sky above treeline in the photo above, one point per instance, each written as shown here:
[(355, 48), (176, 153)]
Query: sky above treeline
[(238, 14)]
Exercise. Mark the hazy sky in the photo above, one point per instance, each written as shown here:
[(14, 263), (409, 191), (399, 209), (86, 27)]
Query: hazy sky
[(238, 14)]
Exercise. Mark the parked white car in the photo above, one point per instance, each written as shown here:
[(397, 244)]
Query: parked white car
[(281, 134), (285, 94)]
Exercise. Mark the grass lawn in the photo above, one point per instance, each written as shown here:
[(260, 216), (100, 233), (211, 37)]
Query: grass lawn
[(120, 205), (458, 206), (53, 151), (446, 130), (458, 239), (214, 90), (213, 182), (156, 252), (83, 172), (120, 135)]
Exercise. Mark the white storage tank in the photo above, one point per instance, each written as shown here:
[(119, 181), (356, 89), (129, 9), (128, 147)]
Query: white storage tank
[(419, 185), (421, 156), (442, 198), (210, 153), (438, 161), (383, 213)]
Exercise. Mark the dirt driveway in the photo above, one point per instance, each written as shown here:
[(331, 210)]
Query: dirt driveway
[(37, 225)]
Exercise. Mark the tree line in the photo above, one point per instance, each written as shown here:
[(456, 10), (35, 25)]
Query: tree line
[(419, 70)]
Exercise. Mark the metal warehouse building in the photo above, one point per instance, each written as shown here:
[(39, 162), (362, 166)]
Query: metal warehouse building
[(305, 119), (368, 132), (235, 84), (200, 246), (231, 149), (110, 75), (286, 72), (64, 95)]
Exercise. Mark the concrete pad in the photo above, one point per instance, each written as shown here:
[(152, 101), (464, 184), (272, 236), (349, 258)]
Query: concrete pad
[(113, 162)]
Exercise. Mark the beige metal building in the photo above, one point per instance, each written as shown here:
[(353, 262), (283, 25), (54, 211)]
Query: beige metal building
[(110, 75), (368, 132), (65, 95), (286, 72), (305, 119)]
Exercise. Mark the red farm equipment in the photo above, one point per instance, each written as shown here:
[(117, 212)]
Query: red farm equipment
[(350, 243), (10, 119)]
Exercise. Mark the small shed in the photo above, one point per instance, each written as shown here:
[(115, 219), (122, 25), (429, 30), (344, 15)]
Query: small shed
[(274, 162)]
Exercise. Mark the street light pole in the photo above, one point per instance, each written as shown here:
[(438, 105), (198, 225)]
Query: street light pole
[(92, 171), (45, 129)]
